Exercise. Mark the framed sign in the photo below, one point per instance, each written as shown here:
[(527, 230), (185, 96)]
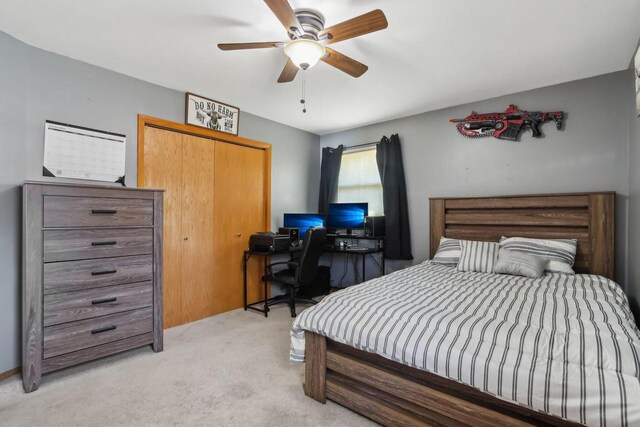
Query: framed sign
[(210, 114)]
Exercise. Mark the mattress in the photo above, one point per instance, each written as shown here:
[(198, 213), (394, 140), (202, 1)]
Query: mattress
[(562, 344)]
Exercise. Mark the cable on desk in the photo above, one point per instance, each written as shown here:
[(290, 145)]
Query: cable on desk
[(356, 275), (346, 267), (377, 263)]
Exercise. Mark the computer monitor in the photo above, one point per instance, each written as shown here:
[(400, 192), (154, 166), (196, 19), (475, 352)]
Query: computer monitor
[(349, 216), (303, 221)]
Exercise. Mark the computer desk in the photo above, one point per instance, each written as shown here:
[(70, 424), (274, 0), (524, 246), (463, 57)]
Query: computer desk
[(292, 251), (248, 253), (363, 252)]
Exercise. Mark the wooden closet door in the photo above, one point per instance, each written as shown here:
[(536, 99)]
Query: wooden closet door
[(240, 204), (162, 168), (198, 296)]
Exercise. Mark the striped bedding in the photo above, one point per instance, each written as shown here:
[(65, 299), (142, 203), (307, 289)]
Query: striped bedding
[(562, 344)]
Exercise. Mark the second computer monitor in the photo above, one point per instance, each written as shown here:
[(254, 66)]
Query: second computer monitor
[(349, 216), (303, 221)]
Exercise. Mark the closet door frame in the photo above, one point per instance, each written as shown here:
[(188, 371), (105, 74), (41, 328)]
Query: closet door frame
[(144, 121)]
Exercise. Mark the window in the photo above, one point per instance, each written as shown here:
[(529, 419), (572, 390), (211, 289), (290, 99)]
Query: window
[(359, 180)]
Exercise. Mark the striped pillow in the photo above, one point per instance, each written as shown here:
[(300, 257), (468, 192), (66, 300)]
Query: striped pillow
[(519, 264), (478, 256), (448, 252), (559, 253)]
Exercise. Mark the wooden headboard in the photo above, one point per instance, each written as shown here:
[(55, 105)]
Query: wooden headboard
[(588, 217)]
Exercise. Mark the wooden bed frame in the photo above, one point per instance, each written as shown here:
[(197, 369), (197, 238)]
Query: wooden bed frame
[(398, 395)]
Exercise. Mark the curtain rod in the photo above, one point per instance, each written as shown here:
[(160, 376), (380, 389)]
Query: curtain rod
[(366, 144)]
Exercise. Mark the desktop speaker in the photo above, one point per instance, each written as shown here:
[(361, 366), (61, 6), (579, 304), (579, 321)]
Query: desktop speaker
[(292, 232), (374, 226)]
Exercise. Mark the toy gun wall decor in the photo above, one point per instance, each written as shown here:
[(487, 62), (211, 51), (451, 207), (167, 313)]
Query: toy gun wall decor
[(507, 125)]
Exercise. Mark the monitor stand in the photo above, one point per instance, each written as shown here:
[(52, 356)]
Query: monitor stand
[(349, 231)]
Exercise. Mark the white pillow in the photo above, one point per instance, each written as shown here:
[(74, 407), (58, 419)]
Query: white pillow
[(448, 252), (519, 264), (478, 256), (559, 253)]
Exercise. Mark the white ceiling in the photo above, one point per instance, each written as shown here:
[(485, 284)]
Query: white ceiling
[(434, 54)]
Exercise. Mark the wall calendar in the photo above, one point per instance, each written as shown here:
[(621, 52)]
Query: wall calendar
[(83, 153)]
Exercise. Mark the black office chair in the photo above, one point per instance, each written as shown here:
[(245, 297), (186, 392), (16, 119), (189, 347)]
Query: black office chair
[(300, 272)]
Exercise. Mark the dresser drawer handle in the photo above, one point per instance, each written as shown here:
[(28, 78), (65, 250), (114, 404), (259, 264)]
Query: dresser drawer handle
[(103, 300), (104, 211), (105, 329), (100, 273), (111, 243)]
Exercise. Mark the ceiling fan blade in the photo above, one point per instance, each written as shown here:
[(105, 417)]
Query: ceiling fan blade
[(363, 24), (253, 45), (283, 11), (288, 73), (344, 63)]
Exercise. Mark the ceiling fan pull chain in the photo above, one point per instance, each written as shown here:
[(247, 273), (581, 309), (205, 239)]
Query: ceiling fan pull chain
[(303, 101)]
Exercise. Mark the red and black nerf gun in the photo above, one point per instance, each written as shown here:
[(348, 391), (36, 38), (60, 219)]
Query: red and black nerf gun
[(507, 125)]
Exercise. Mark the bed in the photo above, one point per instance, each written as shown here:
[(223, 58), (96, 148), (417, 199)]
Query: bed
[(430, 345)]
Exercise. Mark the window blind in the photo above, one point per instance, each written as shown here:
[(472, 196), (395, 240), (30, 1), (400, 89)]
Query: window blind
[(359, 180)]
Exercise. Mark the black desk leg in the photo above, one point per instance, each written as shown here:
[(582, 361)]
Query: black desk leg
[(266, 284), (244, 272), (364, 262)]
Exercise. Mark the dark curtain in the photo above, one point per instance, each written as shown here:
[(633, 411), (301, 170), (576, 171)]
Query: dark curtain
[(397, 244), (329, 171)]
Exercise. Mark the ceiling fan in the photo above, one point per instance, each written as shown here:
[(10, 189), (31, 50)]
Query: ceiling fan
[(309, 38)]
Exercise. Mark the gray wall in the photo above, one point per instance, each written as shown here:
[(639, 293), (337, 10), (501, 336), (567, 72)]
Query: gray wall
[(634, 196), (13, 106), (36, 85), (589, 154)]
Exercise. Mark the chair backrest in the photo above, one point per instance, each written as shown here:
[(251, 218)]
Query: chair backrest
[(314, 239)]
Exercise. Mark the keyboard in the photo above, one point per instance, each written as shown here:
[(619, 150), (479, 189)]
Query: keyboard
[(329, 247)]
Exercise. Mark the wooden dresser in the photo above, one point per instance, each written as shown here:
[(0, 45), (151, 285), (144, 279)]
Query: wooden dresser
[(92, 274)]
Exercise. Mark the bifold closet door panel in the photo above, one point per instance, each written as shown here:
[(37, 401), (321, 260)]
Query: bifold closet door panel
[(198, 298), (240, 203), (216, 196), (163, 169)]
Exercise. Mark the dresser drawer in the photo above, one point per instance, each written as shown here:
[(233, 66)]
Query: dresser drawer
[(80, 275), (69, 337), (68, 245), (63, 211), (71, 306)]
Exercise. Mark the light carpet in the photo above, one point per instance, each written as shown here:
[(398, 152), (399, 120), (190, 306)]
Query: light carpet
[(227, 370)]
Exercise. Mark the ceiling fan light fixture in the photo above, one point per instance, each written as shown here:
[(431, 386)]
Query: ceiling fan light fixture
[(304, 53)]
